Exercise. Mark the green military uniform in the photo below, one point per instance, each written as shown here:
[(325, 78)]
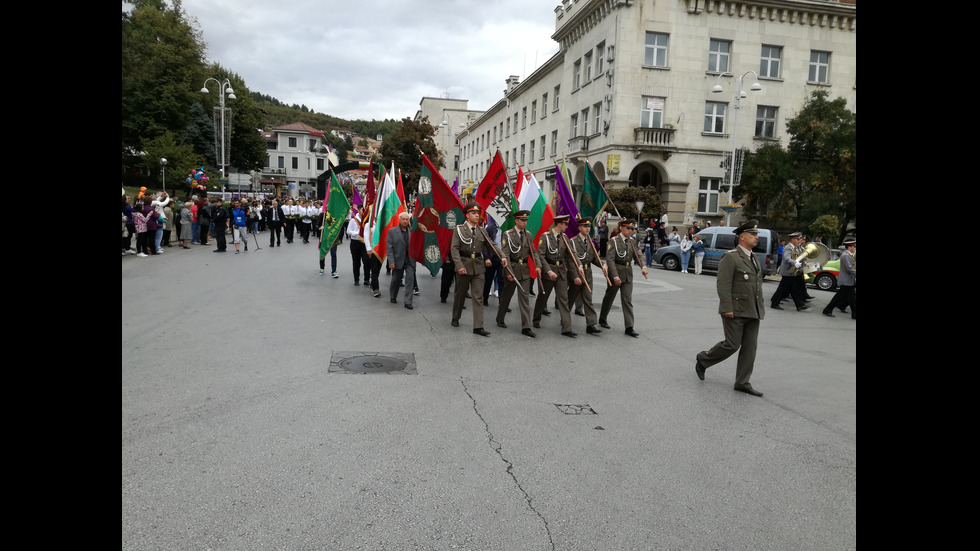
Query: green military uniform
[(555, 257), (620, 258), (516, 247), (467, 252), (585, 252), (739, 292)]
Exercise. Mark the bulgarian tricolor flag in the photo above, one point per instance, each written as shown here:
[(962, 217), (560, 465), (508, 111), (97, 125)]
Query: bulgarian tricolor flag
[(389, 206), (531, 198)]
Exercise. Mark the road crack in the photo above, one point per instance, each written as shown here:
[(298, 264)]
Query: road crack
[(498, 449)]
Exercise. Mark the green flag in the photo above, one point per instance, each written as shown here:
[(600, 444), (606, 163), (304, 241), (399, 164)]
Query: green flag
[(593, 201), (335, 210)]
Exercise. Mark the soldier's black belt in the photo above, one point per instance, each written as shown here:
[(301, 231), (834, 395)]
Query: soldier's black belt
[(520, 261), (623, 263), (476, 255), (557, 263)]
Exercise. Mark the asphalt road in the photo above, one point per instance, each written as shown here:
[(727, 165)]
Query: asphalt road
[(240, 431)]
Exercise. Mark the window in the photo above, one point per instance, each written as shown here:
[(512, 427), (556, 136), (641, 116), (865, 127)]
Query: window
[(714, 117), (585, 121), (534, 111), (502, 130), (708, 194), (312, 145), (597, 110), (557, 88), (769, 65), (506, 158), (295, 163), (655, 54), (588, 67), (515, 154), (554, 143), (319, 164), (577, 74), (542, 147), (524, 117), (508, 126), (530, 150), (515, 123), (271, 145), (600, 52), (292, 142), (652, 112), (544, 106), (819, 67), (282, 162), (765, 122), (495, 134), (574, 126), (718, 52)]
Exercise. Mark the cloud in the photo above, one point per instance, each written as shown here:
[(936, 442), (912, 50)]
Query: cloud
[(373, 59)]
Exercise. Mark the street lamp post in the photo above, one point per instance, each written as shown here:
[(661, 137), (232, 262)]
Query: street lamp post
[(163, 163), (226, 91), (734, 169)]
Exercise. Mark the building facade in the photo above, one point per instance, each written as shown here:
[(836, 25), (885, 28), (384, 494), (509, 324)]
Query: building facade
[(450, 117), (296, 156), (647, 92)]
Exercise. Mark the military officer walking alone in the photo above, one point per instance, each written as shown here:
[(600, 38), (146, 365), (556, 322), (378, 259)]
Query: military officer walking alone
[(620, 257), (516, 245), (741, 308)]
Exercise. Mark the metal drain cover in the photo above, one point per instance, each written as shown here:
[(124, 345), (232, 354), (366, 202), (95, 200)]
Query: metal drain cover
[(373, 362)]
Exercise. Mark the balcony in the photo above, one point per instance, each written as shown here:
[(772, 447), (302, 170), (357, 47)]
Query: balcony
[(653, 139)]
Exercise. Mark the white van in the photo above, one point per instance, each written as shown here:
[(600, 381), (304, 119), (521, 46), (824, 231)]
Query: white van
[(717, 240)]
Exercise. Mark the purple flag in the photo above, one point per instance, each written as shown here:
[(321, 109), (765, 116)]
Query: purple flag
[(565, 204), (456, 186), (357, 197)]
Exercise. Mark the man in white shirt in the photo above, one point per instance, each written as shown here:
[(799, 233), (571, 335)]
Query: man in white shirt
[(358, 250)]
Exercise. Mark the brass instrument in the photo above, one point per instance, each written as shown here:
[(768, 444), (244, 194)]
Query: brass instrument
[(817, 253)]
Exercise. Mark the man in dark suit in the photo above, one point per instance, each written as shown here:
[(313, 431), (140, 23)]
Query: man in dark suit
[(273, 217), (400, 263), (741, 308)]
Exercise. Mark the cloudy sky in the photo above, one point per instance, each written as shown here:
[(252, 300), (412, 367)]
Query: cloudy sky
[(376, 59)]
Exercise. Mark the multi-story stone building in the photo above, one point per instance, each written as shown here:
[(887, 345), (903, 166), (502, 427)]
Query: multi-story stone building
[(296, 157), (450, 117), (631, 91)]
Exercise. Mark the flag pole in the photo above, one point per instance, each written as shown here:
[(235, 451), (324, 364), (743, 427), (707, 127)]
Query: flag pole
[(581, 270)]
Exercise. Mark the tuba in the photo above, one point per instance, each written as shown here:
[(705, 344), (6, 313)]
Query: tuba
[(817, 253)]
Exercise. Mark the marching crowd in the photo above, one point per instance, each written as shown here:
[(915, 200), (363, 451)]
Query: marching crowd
[(484, 259)]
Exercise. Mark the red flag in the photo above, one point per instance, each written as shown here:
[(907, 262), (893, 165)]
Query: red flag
[(368, 211), (494, 194)]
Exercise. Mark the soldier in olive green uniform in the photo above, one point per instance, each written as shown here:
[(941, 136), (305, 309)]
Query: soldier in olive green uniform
[(516, 246), (741, 308), (471, 256), (555, 259), (619, 260), (585, 251)]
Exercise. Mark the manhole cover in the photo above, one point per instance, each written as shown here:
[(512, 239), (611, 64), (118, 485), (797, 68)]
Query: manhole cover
[(576, 409), (373, 362)]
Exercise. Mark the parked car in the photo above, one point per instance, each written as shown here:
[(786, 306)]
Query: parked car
[(826, 277), (717, 240)]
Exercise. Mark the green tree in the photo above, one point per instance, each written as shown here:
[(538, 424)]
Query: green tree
[(162, 67), (816, 174), (181, 160), (200, 134), (403, 147), (625, 200)]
